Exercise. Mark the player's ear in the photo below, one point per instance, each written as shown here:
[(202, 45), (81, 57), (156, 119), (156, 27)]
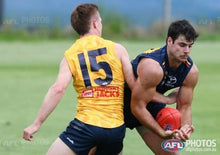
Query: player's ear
[(94, 24), (169, 40)]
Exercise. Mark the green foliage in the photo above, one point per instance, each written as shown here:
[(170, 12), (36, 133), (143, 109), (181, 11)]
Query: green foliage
[(28, 69), (8, 33), (115, 25), (209, 36)]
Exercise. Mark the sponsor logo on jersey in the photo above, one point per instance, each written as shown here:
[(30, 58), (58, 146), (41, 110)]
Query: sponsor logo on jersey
[(106, 92)]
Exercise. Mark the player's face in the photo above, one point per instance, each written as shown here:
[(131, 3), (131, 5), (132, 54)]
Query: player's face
[(180, 48)]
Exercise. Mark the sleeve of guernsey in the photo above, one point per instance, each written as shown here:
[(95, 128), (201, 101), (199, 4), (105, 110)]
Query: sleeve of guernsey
[(70, 60)]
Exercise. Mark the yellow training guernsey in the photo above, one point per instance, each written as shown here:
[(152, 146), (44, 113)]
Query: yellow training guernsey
[(98, 80)]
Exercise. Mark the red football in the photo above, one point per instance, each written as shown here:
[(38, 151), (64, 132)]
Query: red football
[(169, 118)]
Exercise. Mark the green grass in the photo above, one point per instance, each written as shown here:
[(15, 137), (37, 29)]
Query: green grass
[(27, 70)]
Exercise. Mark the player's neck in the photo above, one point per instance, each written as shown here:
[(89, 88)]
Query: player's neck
[(91, 32), (173, 63)]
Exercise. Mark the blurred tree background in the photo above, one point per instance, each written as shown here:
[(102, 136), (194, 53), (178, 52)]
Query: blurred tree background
[(25, 24), (1, 13)]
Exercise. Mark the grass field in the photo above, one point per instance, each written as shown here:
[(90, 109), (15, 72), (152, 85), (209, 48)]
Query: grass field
[(27, 69)]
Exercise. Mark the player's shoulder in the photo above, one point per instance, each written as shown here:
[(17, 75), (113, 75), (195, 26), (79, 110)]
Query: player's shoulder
[(119, 47), (194, 69), (192, 77), (151, 50), (149, 67), (194, 72), (158, 54), (149, 72), (120, 50)]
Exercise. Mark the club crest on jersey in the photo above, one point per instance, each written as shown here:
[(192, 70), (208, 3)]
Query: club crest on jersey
[(171, 81), (173, 145)]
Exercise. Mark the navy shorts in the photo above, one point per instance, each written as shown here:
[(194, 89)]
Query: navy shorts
[(81, 137), (130, 120)]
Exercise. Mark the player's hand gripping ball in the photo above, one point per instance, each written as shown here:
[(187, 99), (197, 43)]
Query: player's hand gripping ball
[(169, 118)]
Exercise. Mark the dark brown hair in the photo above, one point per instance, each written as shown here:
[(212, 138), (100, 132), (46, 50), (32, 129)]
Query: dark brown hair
[(81, 17), (182, 27)]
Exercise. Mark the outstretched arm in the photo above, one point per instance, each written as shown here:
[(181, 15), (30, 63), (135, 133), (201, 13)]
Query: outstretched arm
[(51, 100)]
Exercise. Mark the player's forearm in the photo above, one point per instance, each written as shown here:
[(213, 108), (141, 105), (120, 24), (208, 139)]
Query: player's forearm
[(160, 98), (129, 76), (184, 106), (186, 116), (170, 99), (50, 101), (145, 118)]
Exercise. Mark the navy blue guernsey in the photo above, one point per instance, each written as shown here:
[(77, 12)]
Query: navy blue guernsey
[(171, 79)]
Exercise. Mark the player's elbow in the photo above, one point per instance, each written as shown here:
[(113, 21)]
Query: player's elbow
[(58, 89), (135, 109)]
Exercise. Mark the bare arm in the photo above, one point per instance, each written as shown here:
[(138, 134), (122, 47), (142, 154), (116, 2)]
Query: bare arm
[(185, 96), (51, 99), (169, 99), (122, 54), (184, 101), (149, 76)]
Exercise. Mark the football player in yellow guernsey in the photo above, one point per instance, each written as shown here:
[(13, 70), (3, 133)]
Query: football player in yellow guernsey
[(99, 69)]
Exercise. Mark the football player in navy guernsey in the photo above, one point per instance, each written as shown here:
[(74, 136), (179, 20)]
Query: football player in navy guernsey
[(159, 70)]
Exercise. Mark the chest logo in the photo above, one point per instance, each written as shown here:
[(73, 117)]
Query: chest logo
[(171, 81)]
